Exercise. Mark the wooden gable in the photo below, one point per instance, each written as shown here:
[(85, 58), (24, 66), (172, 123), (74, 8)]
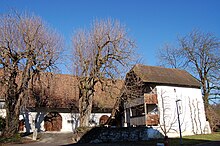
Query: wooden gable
[(150, 98)]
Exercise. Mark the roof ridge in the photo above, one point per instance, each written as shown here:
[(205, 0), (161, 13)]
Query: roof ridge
[(159, 67), (162, 75)]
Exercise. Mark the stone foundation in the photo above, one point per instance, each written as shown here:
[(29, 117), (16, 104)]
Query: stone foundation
[(104, 135)]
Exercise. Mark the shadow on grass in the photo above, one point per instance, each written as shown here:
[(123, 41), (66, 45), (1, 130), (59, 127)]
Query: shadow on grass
[(153, 142), (186, 141), (26, 134), (16, 139)]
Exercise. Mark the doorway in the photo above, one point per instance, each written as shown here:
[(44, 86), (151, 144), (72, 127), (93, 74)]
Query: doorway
[(53, 122)]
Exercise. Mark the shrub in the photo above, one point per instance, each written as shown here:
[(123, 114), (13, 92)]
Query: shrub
[(2, 123)]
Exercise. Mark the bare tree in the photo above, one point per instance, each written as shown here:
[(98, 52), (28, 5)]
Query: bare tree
[(214, 117), (199, 53), (170, 56), (27, 47), (104, 51)]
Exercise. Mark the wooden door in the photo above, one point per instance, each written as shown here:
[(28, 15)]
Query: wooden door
[(53, 122)]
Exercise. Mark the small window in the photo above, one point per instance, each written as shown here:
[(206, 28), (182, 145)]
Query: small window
[(2, 105), (137, 111), (152, 109), (92, 122), (152, 115), (70, 121)]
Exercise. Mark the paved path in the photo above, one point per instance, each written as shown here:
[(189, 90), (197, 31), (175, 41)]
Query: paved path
[(35, 144), (48, 139)]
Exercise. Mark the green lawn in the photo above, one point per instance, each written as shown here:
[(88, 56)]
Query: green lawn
[(208, 137), (187, 140), (195, 139)]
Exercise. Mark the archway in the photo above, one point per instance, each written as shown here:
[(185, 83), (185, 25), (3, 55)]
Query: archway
[(21, 125), (53, 122), (103, 119)]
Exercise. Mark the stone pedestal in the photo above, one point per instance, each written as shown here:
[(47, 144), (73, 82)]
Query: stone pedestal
[(35, 134)]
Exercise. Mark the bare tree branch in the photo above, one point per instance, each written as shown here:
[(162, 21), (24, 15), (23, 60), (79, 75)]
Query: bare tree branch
[(27, 47), (104, 51), (198, 53)]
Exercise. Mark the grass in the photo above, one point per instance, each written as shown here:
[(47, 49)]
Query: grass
[(187, 140), (16, 139), (208, 137), (194, 139)]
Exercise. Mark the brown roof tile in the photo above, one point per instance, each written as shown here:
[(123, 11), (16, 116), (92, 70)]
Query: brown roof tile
[(61, 91), (64, 93), (161, 75)]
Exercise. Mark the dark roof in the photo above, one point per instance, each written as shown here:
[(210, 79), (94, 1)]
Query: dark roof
[(61, 91), (161, 75), (64, 93)]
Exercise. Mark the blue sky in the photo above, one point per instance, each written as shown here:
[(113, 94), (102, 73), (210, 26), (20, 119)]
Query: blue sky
[(152, 23)]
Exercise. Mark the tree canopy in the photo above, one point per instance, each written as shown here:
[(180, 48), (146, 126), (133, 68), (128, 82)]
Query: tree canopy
[(103, 51), (199, 53), (27, 46)]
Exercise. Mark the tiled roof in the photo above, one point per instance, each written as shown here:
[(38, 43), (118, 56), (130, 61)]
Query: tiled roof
[(64, 93), (161, 75), (61, 91)]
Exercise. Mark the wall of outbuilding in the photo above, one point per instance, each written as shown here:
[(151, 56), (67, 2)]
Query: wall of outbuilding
[(191, 110), (70, 121)]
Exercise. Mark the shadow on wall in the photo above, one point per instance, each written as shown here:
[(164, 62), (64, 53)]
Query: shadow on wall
[(38, 120), (32, 122), (74, 121), (108, 134), (26, 118)]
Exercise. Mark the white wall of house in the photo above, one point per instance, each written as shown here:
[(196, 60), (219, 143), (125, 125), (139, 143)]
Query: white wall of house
[(191, 111), (70, 121), (32, 120), (191, 107), (2, 113)]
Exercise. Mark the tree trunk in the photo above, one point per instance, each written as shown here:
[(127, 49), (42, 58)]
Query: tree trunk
[(206, 100), (85, 106), (12, 114), (12, 120), (12, 102), (206, 105)]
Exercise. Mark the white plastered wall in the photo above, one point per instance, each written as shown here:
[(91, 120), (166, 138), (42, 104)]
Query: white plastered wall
[(3, 113), (70, 121), (191, 108)]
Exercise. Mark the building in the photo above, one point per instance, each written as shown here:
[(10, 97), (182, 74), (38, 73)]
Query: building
[(153, 96), (52, 104)]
